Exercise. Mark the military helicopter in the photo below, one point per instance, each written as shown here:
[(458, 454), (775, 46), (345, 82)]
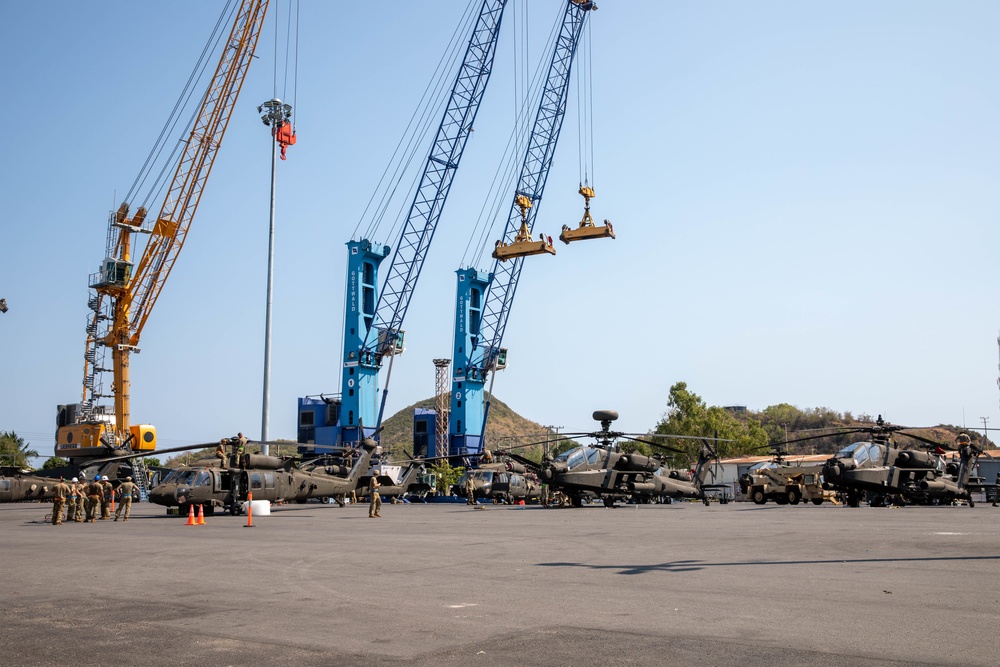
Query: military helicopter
[(702, 485), (501, 482), (18, 485), (602, 471), (210, 484), (888, 474), (412, 480)]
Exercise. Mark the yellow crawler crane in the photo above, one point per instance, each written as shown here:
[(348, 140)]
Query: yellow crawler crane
[(587, 228), (123, 298), (523, 245)]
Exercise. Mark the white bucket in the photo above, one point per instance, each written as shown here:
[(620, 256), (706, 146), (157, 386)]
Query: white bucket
[(260, 507)]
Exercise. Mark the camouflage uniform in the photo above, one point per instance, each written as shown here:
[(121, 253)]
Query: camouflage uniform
[(71, 501), (106, 494), (94, 493), (470, 492), (59, 502), (125, 499), (375, 505), (80, 489), (220, 452)]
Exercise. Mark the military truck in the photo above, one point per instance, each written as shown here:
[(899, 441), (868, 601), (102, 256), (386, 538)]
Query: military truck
[(788, 485)]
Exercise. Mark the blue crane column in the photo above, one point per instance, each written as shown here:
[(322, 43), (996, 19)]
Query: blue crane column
[(466, 415), (380, 334), (505, 275)]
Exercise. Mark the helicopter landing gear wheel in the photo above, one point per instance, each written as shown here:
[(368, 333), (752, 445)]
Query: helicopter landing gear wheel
[(794, 496), (576, 501), (817, 501), (853, 499), (758, 496), (609, 502)]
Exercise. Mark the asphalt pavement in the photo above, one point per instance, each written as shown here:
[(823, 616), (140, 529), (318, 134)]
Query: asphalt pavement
[(445, 585)]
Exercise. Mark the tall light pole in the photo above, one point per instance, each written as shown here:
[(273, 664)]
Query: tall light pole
[(274, 113)]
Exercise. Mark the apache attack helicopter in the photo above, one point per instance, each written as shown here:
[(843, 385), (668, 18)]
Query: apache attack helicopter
[(603, 471), (209, 483), (702, 486), (888, 474)]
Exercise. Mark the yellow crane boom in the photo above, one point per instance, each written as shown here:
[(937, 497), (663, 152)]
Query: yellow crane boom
[(123, 299)]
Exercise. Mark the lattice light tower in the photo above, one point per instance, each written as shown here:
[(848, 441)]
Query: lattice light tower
[(441, 405)]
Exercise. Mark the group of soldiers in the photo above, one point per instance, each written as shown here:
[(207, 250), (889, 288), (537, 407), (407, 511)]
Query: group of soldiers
[(81, 501), (239, 444)]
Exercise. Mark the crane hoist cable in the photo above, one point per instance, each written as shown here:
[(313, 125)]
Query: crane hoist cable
[(505, 177), (182, 108), (412, 143)]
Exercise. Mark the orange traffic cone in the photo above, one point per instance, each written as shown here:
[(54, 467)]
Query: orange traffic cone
[(191, 521), (249, 510), (201, 515)]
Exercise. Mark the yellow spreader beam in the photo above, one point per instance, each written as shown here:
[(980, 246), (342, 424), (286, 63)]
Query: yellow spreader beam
[(587, 228), (523, 245)]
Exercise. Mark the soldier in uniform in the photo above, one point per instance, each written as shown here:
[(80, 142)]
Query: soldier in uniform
[(108, 491), (241, 448), (470, 491), (59, 501), (126, 490), (73, 497), (220, 451), (996, 492), (81, 500), (94, 493), (375, 504)]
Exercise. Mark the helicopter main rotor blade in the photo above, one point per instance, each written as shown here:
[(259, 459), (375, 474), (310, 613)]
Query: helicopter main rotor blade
[(654, 444), (928, 441)]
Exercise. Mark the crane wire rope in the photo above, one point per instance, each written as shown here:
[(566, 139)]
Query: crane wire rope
[(417, 140), (416, 131), (505, 178), (430, 103), (169, 128)]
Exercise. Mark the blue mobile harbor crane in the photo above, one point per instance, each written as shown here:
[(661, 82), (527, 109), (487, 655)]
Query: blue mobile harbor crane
[(483, 300), (372, 319)]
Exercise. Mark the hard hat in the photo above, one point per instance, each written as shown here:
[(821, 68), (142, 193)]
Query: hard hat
[(105, 478), (75, 479)]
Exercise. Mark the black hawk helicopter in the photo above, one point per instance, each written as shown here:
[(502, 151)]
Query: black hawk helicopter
[(603, 472), (17, 485), (887, 474), (212, 483), (501, 481)]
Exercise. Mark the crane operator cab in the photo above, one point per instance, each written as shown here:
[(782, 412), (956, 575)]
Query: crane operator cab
[(523, 245), (587, 229)]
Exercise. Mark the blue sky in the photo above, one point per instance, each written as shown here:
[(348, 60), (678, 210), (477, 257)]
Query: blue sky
[(805, 196)]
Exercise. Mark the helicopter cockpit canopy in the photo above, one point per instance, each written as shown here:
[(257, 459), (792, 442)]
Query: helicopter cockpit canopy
[(861, 452), (574, 458)]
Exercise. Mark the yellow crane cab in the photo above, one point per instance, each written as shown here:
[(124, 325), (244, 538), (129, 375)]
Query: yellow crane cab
[(523, 245), (587, 228)]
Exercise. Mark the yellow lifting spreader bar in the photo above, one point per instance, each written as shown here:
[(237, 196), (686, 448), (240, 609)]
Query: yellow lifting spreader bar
[(587, 229), (523, 245)]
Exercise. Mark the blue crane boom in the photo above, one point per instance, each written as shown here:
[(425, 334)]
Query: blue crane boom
[(484, 301), (373, 321)]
